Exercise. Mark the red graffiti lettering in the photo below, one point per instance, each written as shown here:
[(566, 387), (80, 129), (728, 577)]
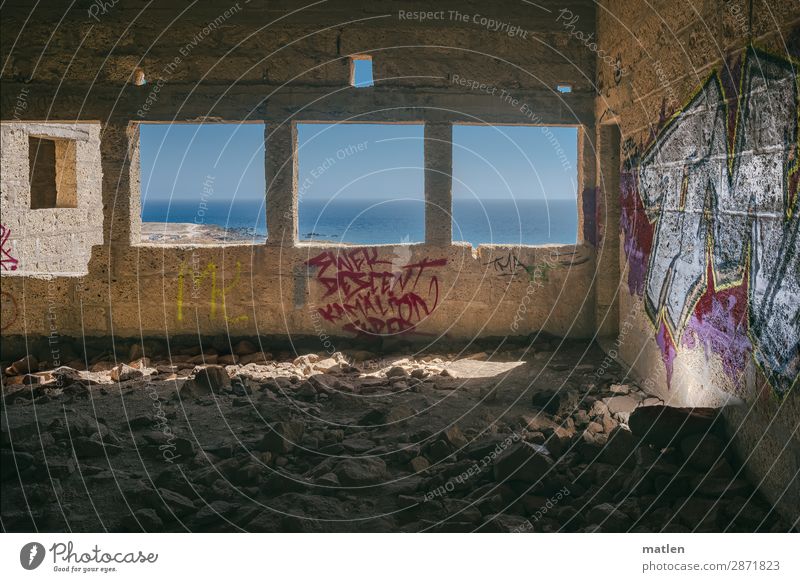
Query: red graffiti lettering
[(375, 296), (7, 262)]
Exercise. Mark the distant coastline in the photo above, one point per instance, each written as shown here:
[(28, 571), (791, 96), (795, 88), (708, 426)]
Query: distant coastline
[(364, 222), (195, 234)]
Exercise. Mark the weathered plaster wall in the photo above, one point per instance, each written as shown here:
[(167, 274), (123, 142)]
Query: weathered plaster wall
[(279, 65), (49, 240), (709, 310)]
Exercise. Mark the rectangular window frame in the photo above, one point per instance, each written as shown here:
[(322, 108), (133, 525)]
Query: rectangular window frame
[(64, 172), (135, 173), (582, 175), (284, 146), (327, 244), (353, 60)]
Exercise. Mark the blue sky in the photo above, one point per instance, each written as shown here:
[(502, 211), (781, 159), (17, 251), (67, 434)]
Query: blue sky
[(362, 73), (362, 161), (177, 159), (520, 162)]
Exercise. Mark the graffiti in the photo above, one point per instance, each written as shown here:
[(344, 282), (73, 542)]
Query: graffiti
[(509, 265), (719, 326), (592, 224), (637, 230), (630, 153), (374, 296), (8, 310), (715, 220), (217, 292), (7, 262)]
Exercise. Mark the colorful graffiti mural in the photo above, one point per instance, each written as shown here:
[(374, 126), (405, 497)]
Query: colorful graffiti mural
[(710, 215), (375, 296), (7, 262)]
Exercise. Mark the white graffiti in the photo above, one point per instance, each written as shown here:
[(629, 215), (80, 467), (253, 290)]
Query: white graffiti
[(734, 207)]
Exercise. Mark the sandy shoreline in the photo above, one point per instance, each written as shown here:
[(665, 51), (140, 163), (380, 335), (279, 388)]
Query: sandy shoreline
[(190, 233)]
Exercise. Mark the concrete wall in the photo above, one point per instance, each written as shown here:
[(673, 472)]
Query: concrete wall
[(688, 116), (281, 65), (708, 311), (51, 240)]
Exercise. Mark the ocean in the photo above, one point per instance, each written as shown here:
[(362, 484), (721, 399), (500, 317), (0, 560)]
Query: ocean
[(527, 222)]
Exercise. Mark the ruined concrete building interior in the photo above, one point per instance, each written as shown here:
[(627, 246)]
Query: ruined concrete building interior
[(400, 266)]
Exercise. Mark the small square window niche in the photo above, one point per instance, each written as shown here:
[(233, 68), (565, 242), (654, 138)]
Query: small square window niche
[(53, 175), (361, 71)]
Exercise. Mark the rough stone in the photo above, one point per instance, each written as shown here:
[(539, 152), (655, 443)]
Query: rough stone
[(283, 437), (702, 451), (207, 380), (26, 365), (244, 348), (123, 373), (621, 404), (396, 372), (359, 472), (563, 402), (620, 447), (419, 464), (662, 425), (608, 517), (455, 437), (522, 462)]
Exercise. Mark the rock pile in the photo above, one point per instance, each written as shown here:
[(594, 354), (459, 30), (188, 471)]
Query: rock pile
[(256, 442)]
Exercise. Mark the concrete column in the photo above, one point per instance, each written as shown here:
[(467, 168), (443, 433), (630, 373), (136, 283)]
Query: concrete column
[(608, 227), (119, 155), (281, 174), (587, 186), (438, 183)]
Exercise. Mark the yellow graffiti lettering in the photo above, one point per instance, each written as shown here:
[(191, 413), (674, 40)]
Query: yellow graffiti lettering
[(217, 295)]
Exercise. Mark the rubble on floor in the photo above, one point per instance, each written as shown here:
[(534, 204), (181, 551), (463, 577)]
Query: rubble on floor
[(524, 440)]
